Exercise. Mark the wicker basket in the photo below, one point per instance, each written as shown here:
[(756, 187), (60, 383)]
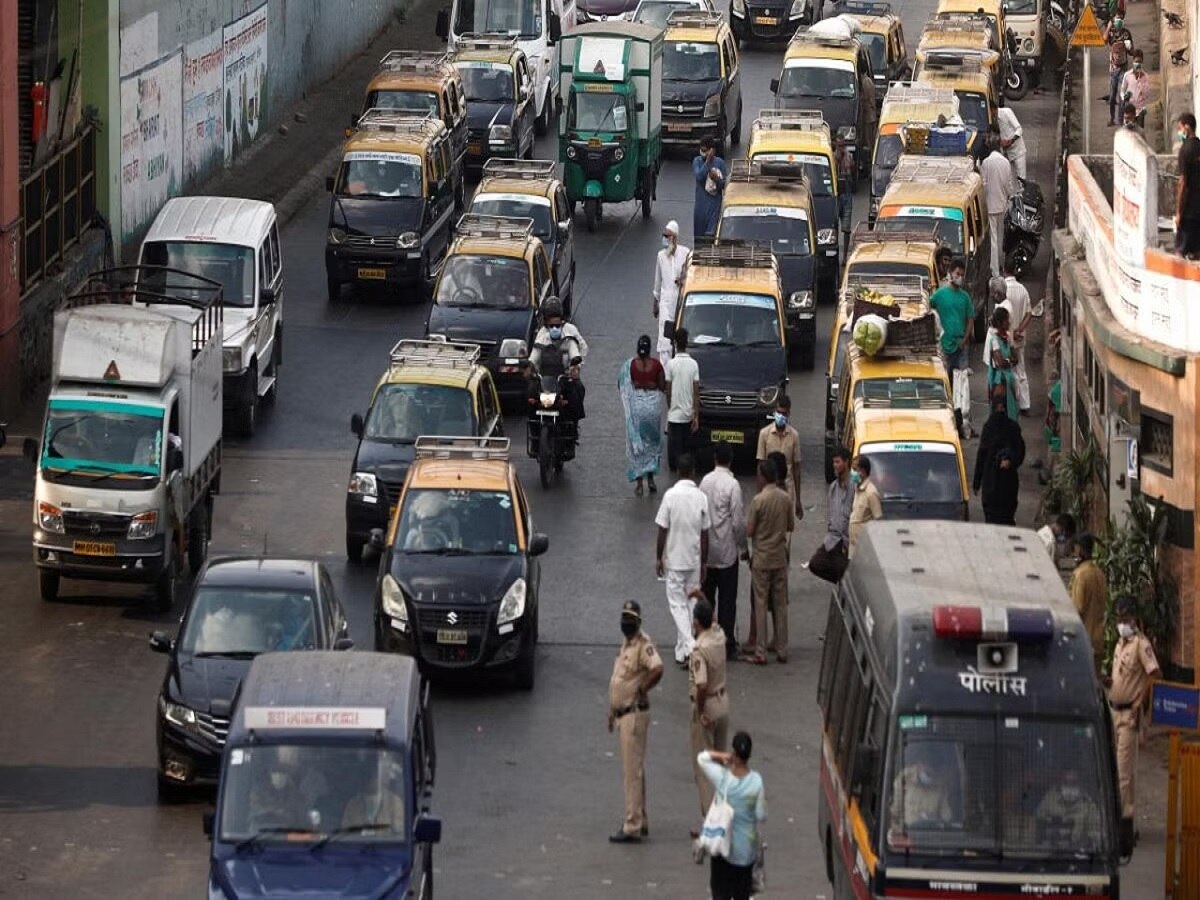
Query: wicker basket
[(918, 332)]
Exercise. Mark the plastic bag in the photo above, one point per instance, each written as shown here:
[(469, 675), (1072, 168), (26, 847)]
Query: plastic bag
[(870, 334)]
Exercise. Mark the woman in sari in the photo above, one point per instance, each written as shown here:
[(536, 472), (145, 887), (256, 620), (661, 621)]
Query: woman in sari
[(643, 385), (1000, 354)]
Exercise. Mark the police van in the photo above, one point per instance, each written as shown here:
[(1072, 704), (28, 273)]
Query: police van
[(966, 744), (326, 781)]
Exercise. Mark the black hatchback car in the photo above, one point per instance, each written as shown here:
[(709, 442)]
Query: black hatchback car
[(241, 607)]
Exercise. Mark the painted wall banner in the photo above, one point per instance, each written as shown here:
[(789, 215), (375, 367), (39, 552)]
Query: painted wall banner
[(203, 106), (151, 140), (246, 88), (1135, 205), (139, 44)]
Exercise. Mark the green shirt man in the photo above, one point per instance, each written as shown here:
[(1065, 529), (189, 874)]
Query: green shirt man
[(955, 310)]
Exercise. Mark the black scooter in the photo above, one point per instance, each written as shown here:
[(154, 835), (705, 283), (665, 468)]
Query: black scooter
[(1023, 228)]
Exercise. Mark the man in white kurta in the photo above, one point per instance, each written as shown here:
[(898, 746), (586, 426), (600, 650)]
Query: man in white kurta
[(668, 276)]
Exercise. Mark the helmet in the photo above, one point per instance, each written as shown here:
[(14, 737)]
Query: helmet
[(552, 309)]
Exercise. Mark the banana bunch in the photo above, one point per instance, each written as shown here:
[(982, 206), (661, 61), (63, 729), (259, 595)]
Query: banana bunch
[(870, 295)]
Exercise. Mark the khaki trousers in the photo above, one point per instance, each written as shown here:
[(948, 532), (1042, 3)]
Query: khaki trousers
[(770, 584), (632, 730), (714, 737), (1125, 736)]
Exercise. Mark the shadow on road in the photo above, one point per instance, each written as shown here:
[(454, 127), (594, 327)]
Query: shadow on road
[(35, 789)]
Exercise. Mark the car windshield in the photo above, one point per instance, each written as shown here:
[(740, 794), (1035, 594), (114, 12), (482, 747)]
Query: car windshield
[(237, 620), (485, 82), (423, 101), (104, 437), (284, 793), (403, 412), (518, 207), (887, 268), (691, 61), (230, 265), (595, 111), (731, 320), (519, 17), (493, 282), (814, 80), (901, 392), (1021, 787), (1022, 8), (973, 108), (816, 167), (786, 230), (949, 231), (464, 521), (876, 46), (384, 175), (888, 148), (920, 471), (656, 14)]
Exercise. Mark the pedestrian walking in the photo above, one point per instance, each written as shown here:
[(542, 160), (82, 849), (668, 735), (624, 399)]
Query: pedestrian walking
[(867, 506), (1058, 536), (1135, 88), (1001, 453), (768, 525), (726, 541), (711, 173), (1000, 354), (707, 692), (1012, 139), (999, 187), (1187, 193), (682, 550), (1120, 44), (642, 384), (636, 671), (829, 562), (956, 315), (1020, 311), (845, 186), (682, 375), (732, 877), (669, 268), (779, 435), (1089, 594)]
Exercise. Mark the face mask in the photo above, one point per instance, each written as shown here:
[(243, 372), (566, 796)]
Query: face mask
[(666, 241), (628, 628), (956, 280), (1181, 135), (924, 777), (1070, 795), (278, 780), (555, 332), (1125, 629), (1137, 66), (1060, 538), (780, 420), (855, 477)]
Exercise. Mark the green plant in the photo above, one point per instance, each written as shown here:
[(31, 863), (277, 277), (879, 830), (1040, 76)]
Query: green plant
[(1077, 475)]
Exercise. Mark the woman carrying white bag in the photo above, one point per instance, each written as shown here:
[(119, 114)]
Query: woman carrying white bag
[(730, 832)]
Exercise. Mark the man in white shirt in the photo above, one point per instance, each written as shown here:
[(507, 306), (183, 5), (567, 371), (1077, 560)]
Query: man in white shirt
[(683, 399), (1020, 313), (1012, 139), (999, 186), (668, 276), (727, 538), (682, 551)]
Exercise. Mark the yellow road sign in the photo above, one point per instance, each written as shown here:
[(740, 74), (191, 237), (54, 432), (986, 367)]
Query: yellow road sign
[(1087, 33)]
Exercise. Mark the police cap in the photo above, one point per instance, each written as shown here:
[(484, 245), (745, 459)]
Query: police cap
[(631, 610)]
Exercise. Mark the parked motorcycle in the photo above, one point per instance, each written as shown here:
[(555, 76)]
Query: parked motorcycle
[(1019, 72), (553, 430), (1023, 228)]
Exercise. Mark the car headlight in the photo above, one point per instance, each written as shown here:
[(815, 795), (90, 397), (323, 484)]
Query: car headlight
[(50, 518), (364, 484), (500, 134), (619, 154), (143, 525), (408, 240), (512, 607), (511, 348), (801, 301), (849, 132), (768, 395), (798, 8), (393, 599), (571, 151), (712, 106), (231, 359), (826, 236), (337, 235), (739, 7), (1027, 45), (177, 714)]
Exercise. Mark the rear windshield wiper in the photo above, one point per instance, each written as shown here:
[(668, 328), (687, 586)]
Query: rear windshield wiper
[(360, 828), (227, 654), (442, 551), (256, 839)]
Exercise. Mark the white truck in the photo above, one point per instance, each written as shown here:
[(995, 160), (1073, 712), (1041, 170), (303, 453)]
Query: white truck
[(537, 24), (130, 454)]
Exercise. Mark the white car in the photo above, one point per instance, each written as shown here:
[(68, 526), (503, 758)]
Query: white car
[(656, 12)]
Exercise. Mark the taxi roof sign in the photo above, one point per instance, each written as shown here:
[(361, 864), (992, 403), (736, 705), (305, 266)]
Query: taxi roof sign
[(1087, 32), (316, 718)]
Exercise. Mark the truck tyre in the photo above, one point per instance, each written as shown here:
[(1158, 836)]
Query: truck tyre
[(647, 193), (48, 582), (164, 588), (354, 549), (247, 411), (197, 542)]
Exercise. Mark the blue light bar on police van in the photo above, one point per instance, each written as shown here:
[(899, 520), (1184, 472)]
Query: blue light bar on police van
[(992, 623), (319, 718)]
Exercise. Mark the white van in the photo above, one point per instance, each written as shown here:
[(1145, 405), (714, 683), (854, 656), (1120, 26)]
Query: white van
[(234, 242), (537, 25)]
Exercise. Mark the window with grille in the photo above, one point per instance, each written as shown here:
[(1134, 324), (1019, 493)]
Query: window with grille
[(1156, 444)]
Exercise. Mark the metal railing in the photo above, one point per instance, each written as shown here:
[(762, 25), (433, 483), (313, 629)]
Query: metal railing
[(58, 201)]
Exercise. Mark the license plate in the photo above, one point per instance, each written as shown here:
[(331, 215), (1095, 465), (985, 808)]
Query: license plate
[(94, 548), (765, 20), (679, 126), (474, 149), (372, 274), (730, 437), (451, 636)]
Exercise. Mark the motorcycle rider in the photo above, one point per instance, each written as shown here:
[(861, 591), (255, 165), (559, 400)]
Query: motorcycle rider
[(559, 349)]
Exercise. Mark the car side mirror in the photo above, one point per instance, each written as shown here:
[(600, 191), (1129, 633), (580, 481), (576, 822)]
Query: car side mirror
[(329, 183), (564, 229), (207, 822), (174, 459), (3, 436), (538, 544), (378, 540), (160, 643), (30, 450), (554, 28), (267, 295), (343, 644), (774, 85), (971, 245), (356, 425), (442, 26), (428, 830)]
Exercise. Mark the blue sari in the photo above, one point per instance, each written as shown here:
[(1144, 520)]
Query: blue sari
[(643, 425)]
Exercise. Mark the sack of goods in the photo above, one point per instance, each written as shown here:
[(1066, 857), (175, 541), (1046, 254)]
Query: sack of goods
[(870, 334)]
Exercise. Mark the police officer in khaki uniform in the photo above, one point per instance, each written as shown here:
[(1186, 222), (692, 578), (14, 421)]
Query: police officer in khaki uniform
[(637, 669), (706, 690), (1134, 669)]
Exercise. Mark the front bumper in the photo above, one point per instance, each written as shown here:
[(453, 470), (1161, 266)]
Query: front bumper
[(138, 562), (767, 23), (185, 758), (487, 645), (739, 429), (238, 389), (689, 131), (377, 266)]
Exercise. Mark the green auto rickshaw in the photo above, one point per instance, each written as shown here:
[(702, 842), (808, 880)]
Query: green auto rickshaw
[(610, 140)]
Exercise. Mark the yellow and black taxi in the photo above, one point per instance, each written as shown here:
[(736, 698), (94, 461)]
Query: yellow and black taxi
[(430, 387), (957, 41), (987, 16), (907, 103), (531, 189), (770, 204), (458, 582), (883, 35), (701, 81), (800, 137), (732, 305), (390, 216), (420, 82), (496, 277), (771, 20), (832, 74), (501, 107), (974, 87)]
